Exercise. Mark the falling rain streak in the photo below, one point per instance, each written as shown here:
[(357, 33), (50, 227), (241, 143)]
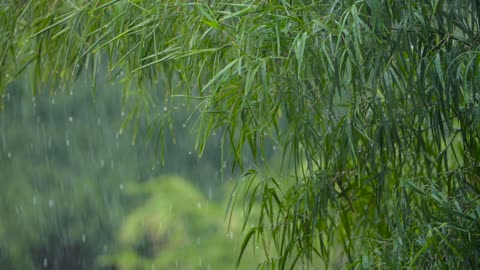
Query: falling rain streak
[(94, 193)]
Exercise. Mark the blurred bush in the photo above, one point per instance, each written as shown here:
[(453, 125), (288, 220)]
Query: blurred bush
[(176, 228)]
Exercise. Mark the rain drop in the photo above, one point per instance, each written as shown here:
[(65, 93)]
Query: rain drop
[(50, 203), (45, 262), (102, 163), (53, 101), (199, 205), (67, 142), (84, 238), (9, 155), (121, 186), (70, 119), (165, 108)]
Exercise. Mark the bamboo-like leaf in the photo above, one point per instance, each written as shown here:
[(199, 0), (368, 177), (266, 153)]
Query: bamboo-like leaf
[(105, 5), (57, 23), (219, 74), (299, 50), (245, 242)]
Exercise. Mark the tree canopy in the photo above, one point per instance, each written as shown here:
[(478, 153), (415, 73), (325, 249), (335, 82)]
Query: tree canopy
[(373, 107)]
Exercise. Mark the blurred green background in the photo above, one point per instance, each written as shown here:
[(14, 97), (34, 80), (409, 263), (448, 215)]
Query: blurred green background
[(78, 191)]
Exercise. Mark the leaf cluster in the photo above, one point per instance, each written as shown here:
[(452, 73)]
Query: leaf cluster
[(360, 95)]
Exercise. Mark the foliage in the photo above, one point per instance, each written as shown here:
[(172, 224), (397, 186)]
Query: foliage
[(375, 105), (175, 228)]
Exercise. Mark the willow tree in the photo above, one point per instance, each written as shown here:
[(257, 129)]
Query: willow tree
[(374, 105)]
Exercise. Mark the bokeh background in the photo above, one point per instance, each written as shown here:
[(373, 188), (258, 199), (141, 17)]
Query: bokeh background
[(84, 185)]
